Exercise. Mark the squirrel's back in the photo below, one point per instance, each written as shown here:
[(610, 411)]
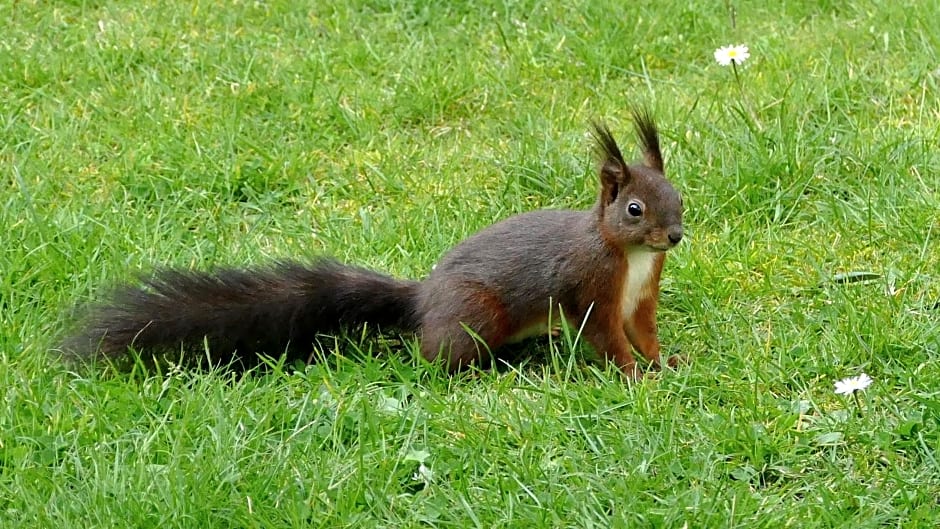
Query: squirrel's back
[(531, 257)]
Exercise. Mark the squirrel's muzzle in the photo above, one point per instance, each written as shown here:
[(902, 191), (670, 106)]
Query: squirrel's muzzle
[(675, 235)]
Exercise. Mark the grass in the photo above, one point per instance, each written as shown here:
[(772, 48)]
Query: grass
[(197, 134)]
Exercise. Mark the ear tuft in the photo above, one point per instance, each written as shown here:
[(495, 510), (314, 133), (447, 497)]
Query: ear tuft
[(649, 139), (606, 146), (614, 171)]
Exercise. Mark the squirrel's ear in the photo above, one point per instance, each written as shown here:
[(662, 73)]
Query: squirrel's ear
[(613, 177), (614, 172), (649, 139)]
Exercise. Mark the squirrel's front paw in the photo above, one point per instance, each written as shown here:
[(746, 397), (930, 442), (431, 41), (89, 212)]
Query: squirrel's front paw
[(633, 373)]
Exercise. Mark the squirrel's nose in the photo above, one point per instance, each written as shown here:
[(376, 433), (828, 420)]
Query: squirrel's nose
[(675, 235)]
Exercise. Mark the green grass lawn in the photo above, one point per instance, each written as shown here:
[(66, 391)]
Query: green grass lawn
[(199, 134)]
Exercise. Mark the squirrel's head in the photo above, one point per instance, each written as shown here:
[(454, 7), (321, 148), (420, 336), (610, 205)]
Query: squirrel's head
[(637, 208)]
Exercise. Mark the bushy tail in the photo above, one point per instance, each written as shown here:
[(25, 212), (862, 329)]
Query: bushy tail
[(238, 313)]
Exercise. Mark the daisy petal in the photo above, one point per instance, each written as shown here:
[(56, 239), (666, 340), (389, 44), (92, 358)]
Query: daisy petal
[(734, 54), (850, 385)]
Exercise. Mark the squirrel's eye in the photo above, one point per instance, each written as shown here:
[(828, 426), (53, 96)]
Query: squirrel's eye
[(634, 209)]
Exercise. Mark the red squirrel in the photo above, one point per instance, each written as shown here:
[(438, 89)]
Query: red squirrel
[(601, 266)]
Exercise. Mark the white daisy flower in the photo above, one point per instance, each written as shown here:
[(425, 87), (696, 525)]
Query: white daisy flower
[(727, 55), (850, 385)]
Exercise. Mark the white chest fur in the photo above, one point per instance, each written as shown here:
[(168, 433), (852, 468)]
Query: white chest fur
[(639, 268)]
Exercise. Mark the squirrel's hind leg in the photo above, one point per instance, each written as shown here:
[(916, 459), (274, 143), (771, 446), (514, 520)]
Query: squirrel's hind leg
[(467, 331)]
